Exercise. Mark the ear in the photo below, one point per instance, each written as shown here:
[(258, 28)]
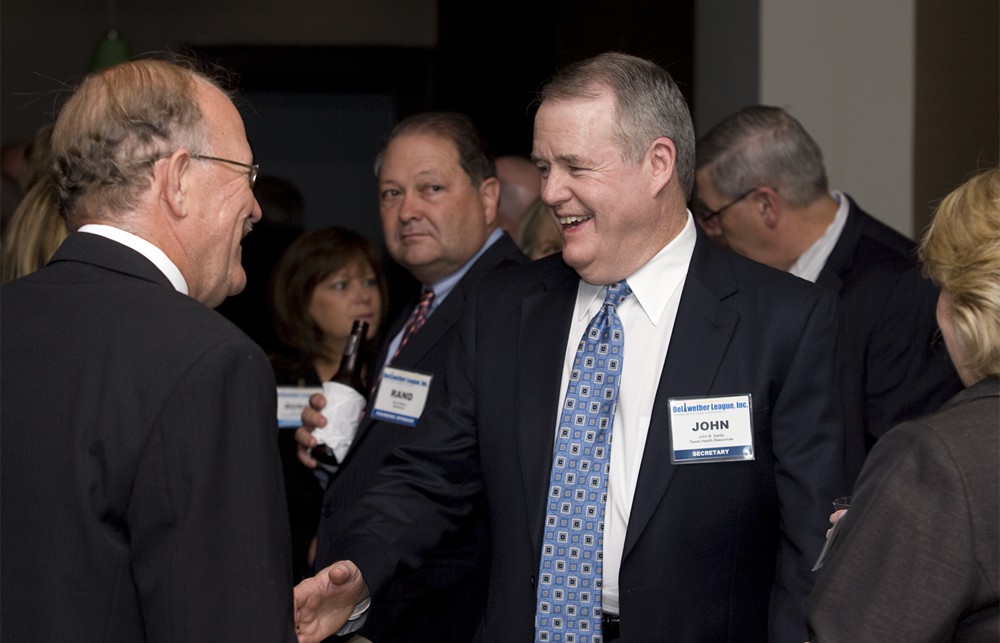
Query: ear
[(489, 194), (662, 164), (175, 181), (769, 202), (712, 227)]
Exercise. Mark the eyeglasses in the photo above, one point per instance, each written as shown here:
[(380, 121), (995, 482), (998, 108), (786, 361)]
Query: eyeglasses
[(254, 169), (707, 214)]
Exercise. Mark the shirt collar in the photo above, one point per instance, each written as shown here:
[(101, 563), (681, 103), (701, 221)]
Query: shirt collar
[(811, 262), (143, 247), (653, 284), (443, 287)]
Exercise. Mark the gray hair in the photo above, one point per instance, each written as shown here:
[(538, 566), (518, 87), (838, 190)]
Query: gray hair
[(115, 126), (762, 145), (648, 105)]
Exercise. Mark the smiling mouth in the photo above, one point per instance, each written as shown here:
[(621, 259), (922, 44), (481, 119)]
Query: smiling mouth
[(574, 221)]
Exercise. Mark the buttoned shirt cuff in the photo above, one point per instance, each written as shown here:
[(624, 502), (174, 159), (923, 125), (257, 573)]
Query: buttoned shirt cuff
[(357, 618)]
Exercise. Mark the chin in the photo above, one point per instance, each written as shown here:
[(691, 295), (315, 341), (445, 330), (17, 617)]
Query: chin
[(237, 284), (575, 259)]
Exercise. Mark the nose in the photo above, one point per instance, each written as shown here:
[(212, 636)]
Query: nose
[(256, 214), (554, 190), (409, 208)]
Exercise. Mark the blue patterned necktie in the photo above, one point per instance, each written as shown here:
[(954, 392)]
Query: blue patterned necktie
[(569, 577)]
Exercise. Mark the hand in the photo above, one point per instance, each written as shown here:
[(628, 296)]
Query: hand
[(324, 602), (312, 418), (834, 517)]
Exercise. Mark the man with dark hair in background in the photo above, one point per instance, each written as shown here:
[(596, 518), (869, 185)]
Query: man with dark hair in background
[(687, 504), (438, 195)]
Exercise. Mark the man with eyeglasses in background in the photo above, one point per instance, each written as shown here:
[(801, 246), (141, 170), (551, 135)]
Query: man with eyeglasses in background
[(761, 189), (142, 494)]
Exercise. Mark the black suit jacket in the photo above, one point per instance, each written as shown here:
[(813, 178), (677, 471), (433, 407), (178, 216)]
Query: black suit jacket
[(895, 366), (711, 549), (142, 496), (443, 599)]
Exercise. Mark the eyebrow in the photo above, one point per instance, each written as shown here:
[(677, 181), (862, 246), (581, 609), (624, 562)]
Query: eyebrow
[(574, 159), (568, 159)]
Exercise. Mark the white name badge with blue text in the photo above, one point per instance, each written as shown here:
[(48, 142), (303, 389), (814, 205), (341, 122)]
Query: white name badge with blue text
[(292, 400), (711, 429), (401, 396)]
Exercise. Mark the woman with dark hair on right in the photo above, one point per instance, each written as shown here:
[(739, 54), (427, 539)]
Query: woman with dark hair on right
[(325, 280), (917, 556)]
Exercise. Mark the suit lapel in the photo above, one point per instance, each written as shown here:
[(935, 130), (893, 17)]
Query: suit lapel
[(545, 321), (844, 251), (450, 310), (503, 252), (702, 332)]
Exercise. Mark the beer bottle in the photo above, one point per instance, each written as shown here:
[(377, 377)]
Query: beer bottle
[(346, 398)]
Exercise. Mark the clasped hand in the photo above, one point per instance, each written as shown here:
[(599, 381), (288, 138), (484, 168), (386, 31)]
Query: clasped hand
[(325, 602)]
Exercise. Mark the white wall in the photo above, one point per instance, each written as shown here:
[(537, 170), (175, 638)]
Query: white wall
[(845, 70)]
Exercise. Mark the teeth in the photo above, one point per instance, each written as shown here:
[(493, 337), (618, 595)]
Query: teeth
[(571, 220)]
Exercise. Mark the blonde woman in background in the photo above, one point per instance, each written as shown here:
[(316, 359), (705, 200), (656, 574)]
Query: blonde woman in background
[(917, 556), (36, 228), (34, 232), (539, 235)]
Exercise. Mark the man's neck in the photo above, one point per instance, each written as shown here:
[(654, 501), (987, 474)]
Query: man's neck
[(804, 226)]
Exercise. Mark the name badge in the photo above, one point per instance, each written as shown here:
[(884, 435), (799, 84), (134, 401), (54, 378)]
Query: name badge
[(292, 400), (711, 429), (401, 396)]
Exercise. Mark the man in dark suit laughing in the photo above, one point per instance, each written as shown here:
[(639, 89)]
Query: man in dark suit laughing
[(675, 534)]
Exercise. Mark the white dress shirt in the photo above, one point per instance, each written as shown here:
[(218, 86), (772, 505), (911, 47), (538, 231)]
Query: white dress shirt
[(647, 317)]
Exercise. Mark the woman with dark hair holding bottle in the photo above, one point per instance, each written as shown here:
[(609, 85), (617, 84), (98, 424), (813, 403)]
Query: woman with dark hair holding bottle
[(325, 281)]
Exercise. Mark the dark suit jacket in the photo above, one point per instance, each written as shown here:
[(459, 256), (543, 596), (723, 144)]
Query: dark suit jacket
[(442, 600), (895, 366), (917, 556), (142, 496), (703, 551)]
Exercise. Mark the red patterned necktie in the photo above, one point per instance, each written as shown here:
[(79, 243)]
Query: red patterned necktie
[(416, 320)]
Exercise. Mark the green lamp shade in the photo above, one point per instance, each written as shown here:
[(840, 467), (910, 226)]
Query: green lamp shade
[(110, 51)]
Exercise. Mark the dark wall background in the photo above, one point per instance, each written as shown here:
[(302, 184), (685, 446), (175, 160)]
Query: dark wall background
[(301, 108), (317, 115)]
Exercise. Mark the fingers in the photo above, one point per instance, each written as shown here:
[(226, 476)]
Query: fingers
[(306, 441), (834, 517), (324, 602), (317, 401), (343, 572), (312, 418)]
